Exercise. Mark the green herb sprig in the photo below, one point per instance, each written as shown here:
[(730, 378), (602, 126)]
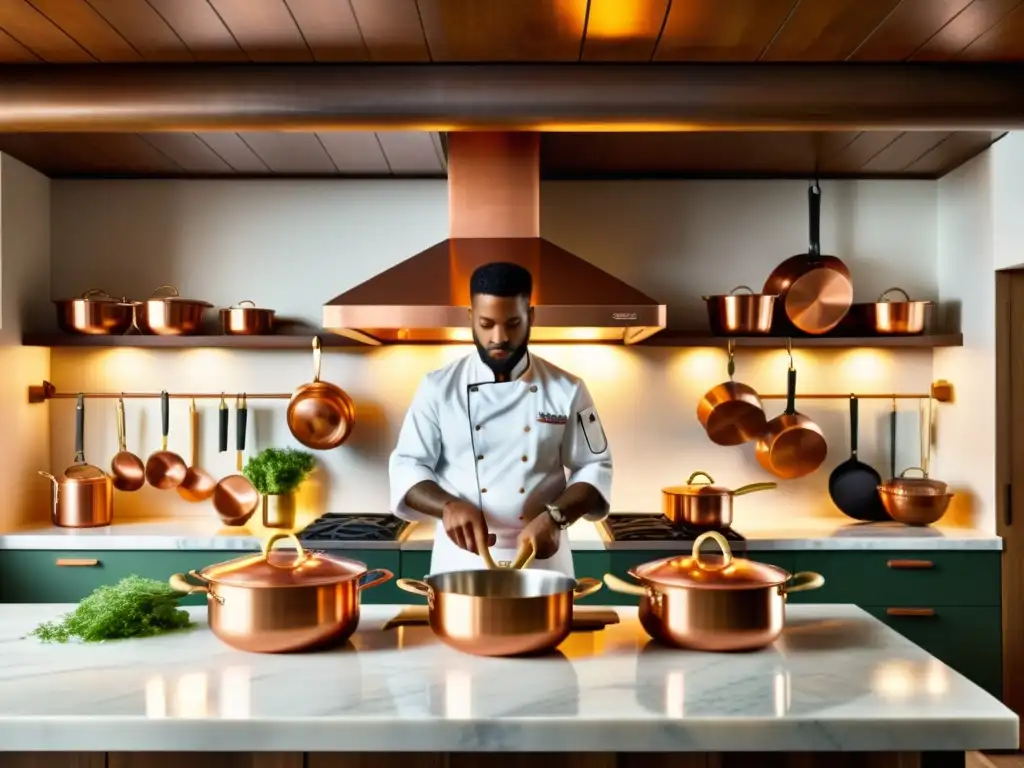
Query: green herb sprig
[(133, 607), (279, 470)]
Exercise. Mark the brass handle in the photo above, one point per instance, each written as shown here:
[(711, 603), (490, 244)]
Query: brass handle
[(917, 565), (374, 577), (415, 586), (909, 611), (615, 584), (300, 554), (698, 473), (84, 562), (586, 586), (723, 544)]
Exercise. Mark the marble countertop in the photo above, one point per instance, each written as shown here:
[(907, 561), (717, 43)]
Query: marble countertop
[(206, 533), (836, 680)]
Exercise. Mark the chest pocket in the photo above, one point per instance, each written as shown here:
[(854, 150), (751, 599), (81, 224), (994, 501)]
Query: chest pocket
[(593, 433)]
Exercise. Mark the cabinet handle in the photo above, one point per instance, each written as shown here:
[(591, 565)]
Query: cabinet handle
[(77, 562), (918, 565), (909, 611)]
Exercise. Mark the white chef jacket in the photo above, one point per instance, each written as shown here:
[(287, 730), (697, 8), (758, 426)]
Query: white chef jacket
[(500, 446)]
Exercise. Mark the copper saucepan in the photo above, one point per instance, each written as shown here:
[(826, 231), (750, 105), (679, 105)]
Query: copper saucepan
[(320, 414), (748, 314), (171, 315), (704, 504), (246, 319), (129, 473), (731, 413), (713, 602), (897, 318), (95, 313), (792, 445), (278, 602), (501, 611)]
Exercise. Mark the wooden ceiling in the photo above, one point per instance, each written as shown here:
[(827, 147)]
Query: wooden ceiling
[(128, 31)]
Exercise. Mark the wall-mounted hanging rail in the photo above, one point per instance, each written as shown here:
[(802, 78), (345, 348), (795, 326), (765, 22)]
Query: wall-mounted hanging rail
[(46, 391)]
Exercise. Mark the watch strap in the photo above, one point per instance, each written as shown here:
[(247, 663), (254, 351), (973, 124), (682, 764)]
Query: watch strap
[(558, 516)]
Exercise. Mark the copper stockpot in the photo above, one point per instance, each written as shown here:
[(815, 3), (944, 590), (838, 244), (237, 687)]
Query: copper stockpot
[(246, 319), (320, 415), (740, 315), (171, 315), (96, 313), (731, 413), (500, 611), (915, 500), (704, 504), (279, 602), (713, 602), (897, 318)]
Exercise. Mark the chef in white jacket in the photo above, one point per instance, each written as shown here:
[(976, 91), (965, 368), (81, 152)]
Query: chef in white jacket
[(489, 440)]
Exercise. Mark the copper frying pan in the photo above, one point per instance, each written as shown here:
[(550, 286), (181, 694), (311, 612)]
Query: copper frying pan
[(320, 414), (128, 471), (731, 413), (234, 497), (792, 445), (198, 484), (165, 469)]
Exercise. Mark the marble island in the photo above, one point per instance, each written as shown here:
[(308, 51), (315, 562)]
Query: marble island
[(838, 680)]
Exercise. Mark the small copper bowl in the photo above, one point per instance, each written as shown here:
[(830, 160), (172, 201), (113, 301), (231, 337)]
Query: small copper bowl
[(748, 314), (96, 313), (915, 500), (246, 319), (171, 315)]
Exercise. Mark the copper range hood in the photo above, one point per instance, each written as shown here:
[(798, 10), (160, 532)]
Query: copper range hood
[(494, 215)]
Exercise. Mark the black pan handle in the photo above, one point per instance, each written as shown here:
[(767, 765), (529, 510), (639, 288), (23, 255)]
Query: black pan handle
[(223, 444), (791, 392), (240, 419), (814, 206), (892, 441), (854, 408), (80, 429)]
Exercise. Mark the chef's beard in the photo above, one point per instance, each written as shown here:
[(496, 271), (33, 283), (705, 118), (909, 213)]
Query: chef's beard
[(503, 368)]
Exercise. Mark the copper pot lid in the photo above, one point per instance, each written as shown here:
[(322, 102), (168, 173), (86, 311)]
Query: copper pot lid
[(173, 297), (710, 571), (915, 486), (698, 489), (300, 568)]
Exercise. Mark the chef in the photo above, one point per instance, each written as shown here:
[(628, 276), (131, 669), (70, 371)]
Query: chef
[(501, 446)]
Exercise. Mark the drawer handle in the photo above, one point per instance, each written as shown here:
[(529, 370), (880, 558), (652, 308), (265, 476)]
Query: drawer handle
[(77, 562), (909, 611), (918, 565)]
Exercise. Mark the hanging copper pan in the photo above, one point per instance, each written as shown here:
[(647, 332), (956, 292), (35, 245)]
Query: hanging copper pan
[(731, 413), (320, 414)]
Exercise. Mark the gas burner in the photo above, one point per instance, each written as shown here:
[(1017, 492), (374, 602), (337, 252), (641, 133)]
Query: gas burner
[(641, 527), (336, 526)]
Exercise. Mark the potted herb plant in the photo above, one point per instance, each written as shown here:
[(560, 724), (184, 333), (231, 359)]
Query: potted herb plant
[(276, 473)]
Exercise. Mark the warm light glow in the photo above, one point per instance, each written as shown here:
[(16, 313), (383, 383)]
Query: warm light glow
[(235, 692), (618, 20), (699, 364), (675, 695), (190, 696), (781, 692), (893, 680), (124, 364), (865, 369), (156, 697), (458, 694), (936, 680)]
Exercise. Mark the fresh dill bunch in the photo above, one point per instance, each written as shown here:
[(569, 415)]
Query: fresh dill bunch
[(133, 607)]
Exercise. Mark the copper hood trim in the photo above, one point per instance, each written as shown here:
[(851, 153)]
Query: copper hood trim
[(494, 215)]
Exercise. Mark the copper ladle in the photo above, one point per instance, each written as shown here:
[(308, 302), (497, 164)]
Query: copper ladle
[(128, 470), (198, 484)]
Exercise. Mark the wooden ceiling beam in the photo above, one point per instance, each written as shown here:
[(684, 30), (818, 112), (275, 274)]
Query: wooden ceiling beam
[(614, 97)]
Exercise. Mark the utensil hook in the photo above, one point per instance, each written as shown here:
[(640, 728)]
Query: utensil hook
[(789, 351), (729, 348)]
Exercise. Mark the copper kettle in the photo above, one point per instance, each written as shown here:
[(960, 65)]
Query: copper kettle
[(82, 502)]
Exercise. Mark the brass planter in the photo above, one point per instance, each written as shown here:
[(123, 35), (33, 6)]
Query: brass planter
[(279, 602), (278, 510)]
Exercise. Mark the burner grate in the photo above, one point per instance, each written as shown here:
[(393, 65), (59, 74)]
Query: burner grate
[(337, 526), (642, 527)]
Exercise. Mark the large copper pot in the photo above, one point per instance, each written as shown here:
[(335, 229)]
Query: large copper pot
[(499, 611), (713, 602), (745, 314), (704, 504), (95, 313), (171, 315), (277, 602)]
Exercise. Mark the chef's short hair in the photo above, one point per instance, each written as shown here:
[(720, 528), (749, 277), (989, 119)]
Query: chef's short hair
[(501, 278)]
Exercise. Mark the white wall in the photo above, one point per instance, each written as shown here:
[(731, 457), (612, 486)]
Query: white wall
[(24, 280), (293, 245)]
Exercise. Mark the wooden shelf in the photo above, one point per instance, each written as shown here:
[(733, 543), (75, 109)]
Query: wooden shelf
[(667, 338)]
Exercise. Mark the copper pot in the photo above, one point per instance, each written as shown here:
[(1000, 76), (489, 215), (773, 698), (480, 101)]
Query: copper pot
[(246, 319), (704, 504), (713, 602), (82, 502), (96, 313), (320, 414), (904, 318), (500, 611), (731, 413), (915, 500), (171, 315), (747, 314), (278, 602)]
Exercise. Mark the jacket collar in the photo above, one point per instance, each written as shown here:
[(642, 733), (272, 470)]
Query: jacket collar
[(481, 373)]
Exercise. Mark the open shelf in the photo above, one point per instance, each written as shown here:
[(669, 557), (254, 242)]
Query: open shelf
[(667, 338)]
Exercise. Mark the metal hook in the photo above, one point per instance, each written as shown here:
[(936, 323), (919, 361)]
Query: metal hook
[(730, 345), (789, 350)]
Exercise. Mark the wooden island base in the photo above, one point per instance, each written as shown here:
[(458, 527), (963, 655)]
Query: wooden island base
[(484, 760)]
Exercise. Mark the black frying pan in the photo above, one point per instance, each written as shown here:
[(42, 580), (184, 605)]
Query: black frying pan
[(853, 485)]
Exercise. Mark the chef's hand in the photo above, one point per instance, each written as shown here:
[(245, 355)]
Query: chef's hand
[(465, 525), (544, 534)]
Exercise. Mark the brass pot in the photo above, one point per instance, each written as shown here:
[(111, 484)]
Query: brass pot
[(898, 318), (713, 602), (96, 313), (277, 602), (82, 502), (246, 319), (703, 504), (171, 315), (748, 314), (915, 500), (278, 510), (501, 611)]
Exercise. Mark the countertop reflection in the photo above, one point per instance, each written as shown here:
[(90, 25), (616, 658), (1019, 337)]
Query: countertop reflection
[(837, 679)]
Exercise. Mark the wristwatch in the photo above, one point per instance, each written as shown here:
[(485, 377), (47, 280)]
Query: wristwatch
[(558, 516)]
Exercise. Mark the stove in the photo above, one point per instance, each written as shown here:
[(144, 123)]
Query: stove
[(337, 526), (646, 527)]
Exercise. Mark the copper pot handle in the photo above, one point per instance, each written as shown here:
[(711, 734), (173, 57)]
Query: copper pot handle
[(179, 583), (96, 292), (317, 354), (415, 586), (723, 544), (740, 288), (754, 487), (242, 304), (165, 287), (885, 293), (691, 478), (382, 575), (805, 581), (300, 557), (615, 584), (909, 469), (585, 586)]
